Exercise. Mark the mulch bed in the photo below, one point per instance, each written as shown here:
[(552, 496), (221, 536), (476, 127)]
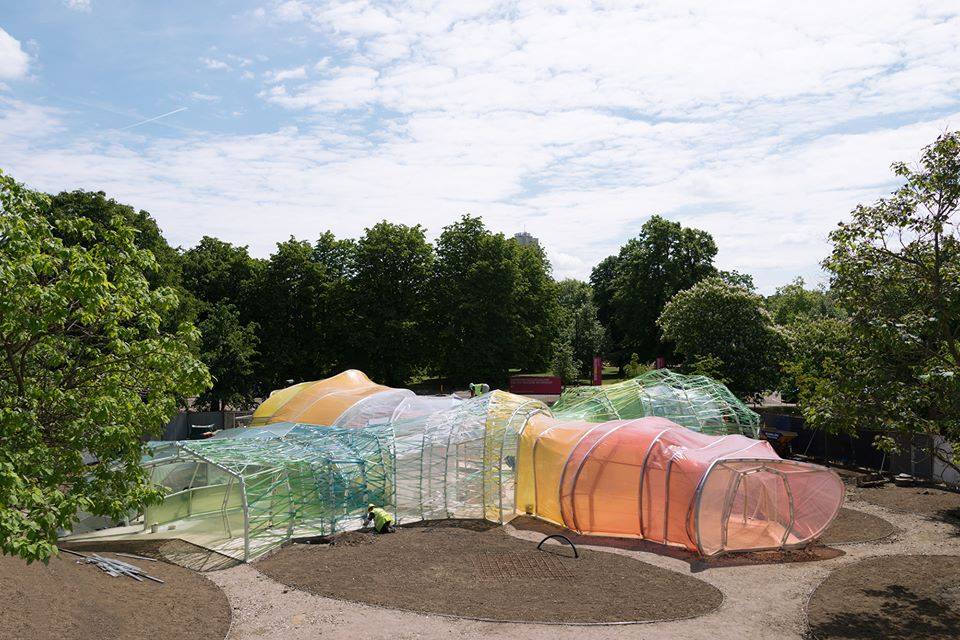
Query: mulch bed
[(890, 597), (928, 501), (478, 572), (856, 526), (64, 600)]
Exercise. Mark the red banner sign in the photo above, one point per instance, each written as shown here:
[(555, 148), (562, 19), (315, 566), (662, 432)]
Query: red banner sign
[(535, 385), (597, 371)]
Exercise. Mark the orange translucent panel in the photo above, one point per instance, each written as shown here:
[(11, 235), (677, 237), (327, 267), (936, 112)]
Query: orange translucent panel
[(650, 478), (318, 403)]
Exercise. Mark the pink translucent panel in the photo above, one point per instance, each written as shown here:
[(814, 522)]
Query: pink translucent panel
[(759, 512), (600, 490), (817, 497), (652, 479)]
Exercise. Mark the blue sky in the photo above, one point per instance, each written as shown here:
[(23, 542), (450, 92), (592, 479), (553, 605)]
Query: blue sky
[(573, 120)]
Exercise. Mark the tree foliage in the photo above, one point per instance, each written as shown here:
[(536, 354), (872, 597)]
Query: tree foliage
[(86, 370), (294, 299), (793, 302), (579, 324), (536, 318), (562, 361), (228, 348), (389, 289), (632, 288), (218, 276), (895, 273), (726, 328), (494, 305)]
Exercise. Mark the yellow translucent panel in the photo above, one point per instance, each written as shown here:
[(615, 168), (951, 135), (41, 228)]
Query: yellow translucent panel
[(320, 402)]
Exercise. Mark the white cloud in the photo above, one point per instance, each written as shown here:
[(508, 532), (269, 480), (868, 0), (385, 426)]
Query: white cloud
[(79, 5), (14, 61), (292, 11), (282, 75), (214, 64), (204, 97), (762, 125), (240, 61)]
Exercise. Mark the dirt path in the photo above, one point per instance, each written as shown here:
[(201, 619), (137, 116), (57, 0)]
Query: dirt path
[(760, 601)]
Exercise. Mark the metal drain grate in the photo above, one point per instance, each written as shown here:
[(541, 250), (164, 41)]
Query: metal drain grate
[(520, 566)]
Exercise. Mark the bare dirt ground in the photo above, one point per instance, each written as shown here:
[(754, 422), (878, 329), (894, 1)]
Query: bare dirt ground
[(65, 600), (889, 597), (490, 575), (856, 526), (759, 600), (927, 501)]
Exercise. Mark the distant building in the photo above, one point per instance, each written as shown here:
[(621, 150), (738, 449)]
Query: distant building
[(525, 239)]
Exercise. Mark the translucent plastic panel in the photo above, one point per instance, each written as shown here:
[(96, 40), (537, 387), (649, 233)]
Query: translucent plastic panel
[(317, 403), (695, 402), (710, 519), (550, 452), (817, 497), (418, 406), (760, 512), (603, 493), (377, 407)]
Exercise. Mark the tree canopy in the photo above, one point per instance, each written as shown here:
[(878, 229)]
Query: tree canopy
[(793, 301), (494, 304), (218, 277), (389, 292), (632, 288), (723, 330), (895, 273), (87, 369)]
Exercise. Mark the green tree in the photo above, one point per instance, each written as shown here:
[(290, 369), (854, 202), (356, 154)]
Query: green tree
[(473, 288), (536, 310), (296, 299), (228, 348), (389, 287), (99, 213), (728, 324), (219, 276), (562, 362), (794, 301), (86, 372), (215, 272), (579, 324), (895, 272), (737, 279), (816, 353), (602, 279), (588, 337), (663, 259), (572, 293)]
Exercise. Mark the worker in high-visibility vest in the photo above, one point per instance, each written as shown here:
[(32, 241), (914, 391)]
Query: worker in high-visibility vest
[(478, 389), (382, 521)]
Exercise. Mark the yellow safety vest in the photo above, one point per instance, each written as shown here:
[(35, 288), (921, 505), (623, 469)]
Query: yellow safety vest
[(380, 518)]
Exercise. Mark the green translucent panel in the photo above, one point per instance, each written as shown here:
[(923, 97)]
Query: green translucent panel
[(243, 496), (695, 402)]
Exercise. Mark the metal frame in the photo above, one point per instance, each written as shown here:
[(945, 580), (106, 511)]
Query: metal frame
[(643, 472), (576, 476), (808, 468)]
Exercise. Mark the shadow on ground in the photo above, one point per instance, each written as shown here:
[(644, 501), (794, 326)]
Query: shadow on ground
[(890, 597), (697, 564)]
